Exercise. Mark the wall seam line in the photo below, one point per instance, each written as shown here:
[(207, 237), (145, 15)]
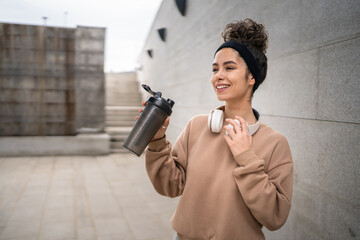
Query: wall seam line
[(310, 119)]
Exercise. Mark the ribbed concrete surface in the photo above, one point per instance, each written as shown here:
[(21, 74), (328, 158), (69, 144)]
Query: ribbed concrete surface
[(78, 197)]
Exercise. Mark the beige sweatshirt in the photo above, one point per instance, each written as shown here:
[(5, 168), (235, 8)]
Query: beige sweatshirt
[(223, 197)]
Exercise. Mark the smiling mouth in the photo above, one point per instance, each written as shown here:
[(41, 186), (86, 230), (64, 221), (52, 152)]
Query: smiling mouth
[(221, 87)]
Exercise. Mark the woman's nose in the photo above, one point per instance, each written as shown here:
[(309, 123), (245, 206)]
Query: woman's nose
[(219, 75)]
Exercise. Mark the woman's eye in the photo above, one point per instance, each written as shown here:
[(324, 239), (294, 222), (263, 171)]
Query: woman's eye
[(229, 68), (215, 70)]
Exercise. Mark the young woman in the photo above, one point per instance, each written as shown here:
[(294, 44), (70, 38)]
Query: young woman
[(235, 179)]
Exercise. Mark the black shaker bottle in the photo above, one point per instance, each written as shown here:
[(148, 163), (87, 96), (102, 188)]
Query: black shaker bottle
[(153, 116)]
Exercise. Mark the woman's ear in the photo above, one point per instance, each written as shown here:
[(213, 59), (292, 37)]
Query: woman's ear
[(251, 80)]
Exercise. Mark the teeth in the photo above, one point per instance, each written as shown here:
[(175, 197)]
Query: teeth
[(221, 87)]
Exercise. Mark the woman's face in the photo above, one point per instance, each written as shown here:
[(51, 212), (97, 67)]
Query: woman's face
[(230, 79)]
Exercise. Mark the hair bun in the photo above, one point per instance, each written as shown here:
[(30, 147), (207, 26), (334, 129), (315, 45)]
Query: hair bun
[(247, 32)]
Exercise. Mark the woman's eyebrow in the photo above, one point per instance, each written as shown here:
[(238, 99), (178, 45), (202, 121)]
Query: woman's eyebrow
[(225, 63), (229, 62)]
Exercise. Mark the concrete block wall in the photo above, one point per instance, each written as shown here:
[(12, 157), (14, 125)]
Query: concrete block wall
[(90, 78), (36, 84), (51, 79), (311, 95)]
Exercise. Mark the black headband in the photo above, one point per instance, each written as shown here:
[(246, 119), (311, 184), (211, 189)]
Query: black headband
[(248, 58)]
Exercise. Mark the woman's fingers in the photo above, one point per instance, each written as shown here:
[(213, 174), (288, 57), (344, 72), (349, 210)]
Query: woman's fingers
[(236, 126), (141, 109), (238, 138), (243, 125), (166, 123), (161, 132), (230, 131), (228, 140)]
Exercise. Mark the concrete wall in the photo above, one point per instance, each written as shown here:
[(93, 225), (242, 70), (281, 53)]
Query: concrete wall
[(51, 79), (90, 78), (311, 95)]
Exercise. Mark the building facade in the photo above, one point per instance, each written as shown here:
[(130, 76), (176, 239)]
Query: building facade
[(311, 94)]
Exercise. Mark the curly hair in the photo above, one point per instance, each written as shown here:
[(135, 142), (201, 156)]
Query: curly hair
[(254, 36)]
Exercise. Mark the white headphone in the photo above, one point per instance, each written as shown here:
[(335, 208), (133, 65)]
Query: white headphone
[(216, 119)]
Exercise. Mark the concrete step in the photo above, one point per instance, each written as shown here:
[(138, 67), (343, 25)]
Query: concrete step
[(134, 89), (121, 150), (118, 138), (122, 117), (130, 96), (123, 103), (119, 114), (123, 112), (123, 99), (122, 108), (118, 130), (123, 123), (126, 102), (116, 145)]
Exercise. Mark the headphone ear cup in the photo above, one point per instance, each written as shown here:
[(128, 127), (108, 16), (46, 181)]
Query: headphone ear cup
[(215, 120)]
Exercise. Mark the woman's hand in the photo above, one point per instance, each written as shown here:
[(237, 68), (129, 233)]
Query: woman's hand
[(239, 140), (161, 133)]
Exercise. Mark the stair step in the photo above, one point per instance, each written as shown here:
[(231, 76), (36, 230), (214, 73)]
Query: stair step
[(122, 150), (128, 95), (118, 130), (122, 113), (123, 99), (123, 123), (116, 137), (116, 145), (121, 117), (122, 108), (125, 103)]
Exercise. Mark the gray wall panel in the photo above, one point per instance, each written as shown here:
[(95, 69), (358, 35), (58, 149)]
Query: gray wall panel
[(290, 89), (311, 95), (339, 85)]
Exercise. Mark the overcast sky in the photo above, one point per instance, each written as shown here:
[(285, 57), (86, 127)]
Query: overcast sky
[(127, 22)]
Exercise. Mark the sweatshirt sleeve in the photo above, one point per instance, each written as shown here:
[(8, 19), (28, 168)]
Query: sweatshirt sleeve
[(166, 166), (267, 193)]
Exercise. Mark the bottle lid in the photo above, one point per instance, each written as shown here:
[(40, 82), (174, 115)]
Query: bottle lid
[(165, 104)]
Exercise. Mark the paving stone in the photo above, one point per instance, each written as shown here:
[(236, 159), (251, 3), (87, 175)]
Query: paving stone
[(85, 234), (55, 201), (61, 214), (31, 201), (103, 206), (108, 197), (28, 213), (20, 230), (111, 226), (58, 231)]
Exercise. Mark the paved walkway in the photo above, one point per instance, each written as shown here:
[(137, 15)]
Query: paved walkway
[(78, 197)]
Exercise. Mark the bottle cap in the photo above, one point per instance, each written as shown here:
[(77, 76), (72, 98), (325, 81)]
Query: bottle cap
[(157, 100)]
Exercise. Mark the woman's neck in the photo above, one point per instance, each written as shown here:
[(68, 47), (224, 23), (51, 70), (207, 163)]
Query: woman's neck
[(241, 109)]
